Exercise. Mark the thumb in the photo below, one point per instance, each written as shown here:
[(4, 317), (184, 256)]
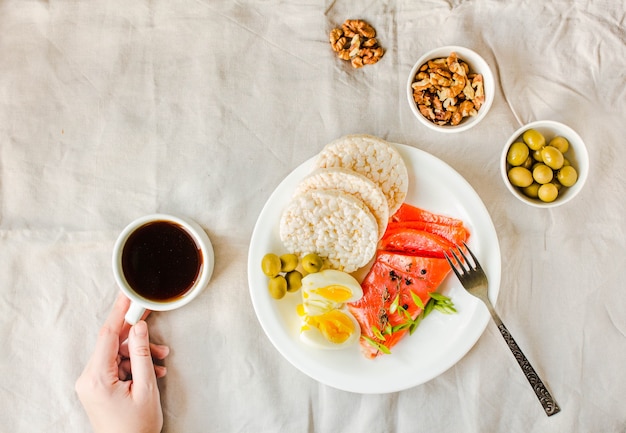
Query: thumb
[(144, 378)]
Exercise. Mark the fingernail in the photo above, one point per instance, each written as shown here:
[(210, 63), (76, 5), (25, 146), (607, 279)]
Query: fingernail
[(140, 329)]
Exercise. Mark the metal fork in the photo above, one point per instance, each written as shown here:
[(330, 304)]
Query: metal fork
[(474, 280)]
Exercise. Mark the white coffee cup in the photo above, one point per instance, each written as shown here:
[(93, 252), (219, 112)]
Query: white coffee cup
[(130, 257)]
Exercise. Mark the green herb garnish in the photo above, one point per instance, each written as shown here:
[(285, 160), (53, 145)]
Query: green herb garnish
[(443, 304), (437, 302), (417, 300), (377, 345), (377, 333), (394, 305)]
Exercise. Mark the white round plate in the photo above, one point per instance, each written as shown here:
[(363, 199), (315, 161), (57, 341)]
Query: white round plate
[(438, 343)]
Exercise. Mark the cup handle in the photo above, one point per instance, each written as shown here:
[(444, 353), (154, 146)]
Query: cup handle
[(134, 313)]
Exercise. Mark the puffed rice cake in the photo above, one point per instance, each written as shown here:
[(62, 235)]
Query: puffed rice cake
[(353, 183), (372, 157), (333, 224)]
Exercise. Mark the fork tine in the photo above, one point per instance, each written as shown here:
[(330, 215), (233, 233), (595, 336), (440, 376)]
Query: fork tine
[(465, 259), (459, 276), (461, 262), (476, 262)]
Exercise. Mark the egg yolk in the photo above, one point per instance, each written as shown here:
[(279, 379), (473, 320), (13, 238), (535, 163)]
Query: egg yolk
[(300, 310), (334, 325), (334, 293)]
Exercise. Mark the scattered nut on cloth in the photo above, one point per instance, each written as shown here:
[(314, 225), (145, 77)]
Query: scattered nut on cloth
[(446, 91), (355, 41)]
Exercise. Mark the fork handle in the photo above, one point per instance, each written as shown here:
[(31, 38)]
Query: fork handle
[(549, 404)]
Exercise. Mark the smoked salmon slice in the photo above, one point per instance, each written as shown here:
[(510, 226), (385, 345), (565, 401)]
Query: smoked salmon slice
[(412, 213), (453, 233), (395, 291), (415, 242), (408, 267)]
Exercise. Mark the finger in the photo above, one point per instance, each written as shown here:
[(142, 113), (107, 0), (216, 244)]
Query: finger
[(157, 351), (160, 371), (124, 370), (107, 346), (144, 377), (126, 326)]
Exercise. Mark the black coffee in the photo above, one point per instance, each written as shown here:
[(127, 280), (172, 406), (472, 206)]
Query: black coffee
[(161, 261)]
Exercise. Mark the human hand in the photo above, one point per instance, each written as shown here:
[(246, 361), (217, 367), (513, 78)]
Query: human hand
[(118, 386)]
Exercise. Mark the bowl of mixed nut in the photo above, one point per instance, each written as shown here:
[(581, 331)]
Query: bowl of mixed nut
[(450, 89)]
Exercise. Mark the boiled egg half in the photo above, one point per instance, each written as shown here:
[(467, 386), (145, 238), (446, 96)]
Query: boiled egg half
[(326, 321)]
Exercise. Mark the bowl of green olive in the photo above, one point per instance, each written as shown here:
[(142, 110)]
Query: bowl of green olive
[(544, 163)]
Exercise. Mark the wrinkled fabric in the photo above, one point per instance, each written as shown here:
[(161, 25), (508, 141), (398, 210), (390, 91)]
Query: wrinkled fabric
[(112, 110)]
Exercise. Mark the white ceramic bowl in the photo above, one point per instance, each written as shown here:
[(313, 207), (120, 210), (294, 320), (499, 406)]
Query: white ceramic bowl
[(577, 155), (476, 64)]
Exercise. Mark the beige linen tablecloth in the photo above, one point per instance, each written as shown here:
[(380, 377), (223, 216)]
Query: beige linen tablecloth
[(112, 110)]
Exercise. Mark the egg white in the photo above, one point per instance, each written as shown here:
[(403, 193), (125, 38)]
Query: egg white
[(313, 285), (323, 292), (313, 337)]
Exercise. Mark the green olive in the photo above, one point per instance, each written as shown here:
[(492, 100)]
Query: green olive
[(537, 155), (531, 190), (542, 174), (517, 154), (294, 281), (534, 139), (560, 143), (288, 262), (548, 192), (520, 176), (528, 163), (277, 287), (567, 176), (566, 161), (312, 263), (271, 265), (552, 157)]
